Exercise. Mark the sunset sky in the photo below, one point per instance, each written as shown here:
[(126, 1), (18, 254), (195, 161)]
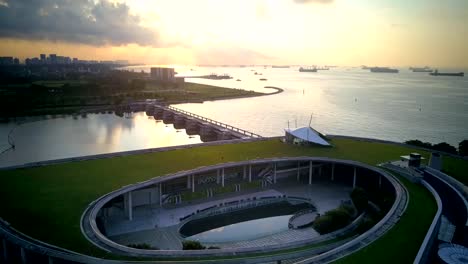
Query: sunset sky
[(341, 32)]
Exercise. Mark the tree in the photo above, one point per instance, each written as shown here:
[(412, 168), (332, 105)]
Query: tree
[(419, 143), (192, 245), (463, 148), (445, 147)]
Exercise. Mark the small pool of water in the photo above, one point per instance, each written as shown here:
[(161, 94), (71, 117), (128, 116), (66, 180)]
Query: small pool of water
[(245, 230), (245, 224)]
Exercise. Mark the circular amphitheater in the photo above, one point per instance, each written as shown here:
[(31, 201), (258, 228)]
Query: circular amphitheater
[(248, 207)]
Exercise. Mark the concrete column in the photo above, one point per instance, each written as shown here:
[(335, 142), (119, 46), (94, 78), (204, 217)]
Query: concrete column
[(244, 175), (217, 177), (23, 256), (333, 172), (189, 182), (274, 172), (298, 170), (5, 251), (310, 172), (129, 206), (250, 173), (354, 178), (222, 177), (160, 194), (193, 182)]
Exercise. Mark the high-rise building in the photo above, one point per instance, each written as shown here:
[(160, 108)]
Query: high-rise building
[(53, 58), (163, 74), (43, 58), (6, 60)]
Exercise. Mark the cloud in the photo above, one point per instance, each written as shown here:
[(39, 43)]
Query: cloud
[(229, 56), (76, 21), (313, 1)]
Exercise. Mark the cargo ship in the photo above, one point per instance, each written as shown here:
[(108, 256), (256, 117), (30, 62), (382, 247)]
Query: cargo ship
[(416, 69), (308, 69), (279, 66), (383, 69), (437, 73)]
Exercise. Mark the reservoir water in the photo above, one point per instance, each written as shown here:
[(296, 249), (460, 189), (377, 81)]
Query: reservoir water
[(64, 137), (344, 100)]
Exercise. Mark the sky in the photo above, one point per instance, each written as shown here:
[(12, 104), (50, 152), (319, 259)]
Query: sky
[(234, 32)]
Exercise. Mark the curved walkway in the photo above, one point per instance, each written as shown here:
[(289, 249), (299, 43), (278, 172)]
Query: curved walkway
[(90, 229)]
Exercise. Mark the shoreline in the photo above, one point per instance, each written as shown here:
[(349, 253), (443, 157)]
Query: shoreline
[(257, 94), (80, 109)]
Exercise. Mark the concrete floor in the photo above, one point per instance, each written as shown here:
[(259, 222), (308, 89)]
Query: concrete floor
[(158, 226)]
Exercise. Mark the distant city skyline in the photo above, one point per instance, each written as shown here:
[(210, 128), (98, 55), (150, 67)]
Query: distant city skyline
[(321, 32)]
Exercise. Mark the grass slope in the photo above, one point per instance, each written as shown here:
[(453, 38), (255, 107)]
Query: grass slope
[(402, 242)]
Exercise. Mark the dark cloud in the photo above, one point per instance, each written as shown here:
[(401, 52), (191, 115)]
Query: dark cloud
[(77, 21), (313, 1)]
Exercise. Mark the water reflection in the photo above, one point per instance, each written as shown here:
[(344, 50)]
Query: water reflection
[(97, 133), (245, 230)]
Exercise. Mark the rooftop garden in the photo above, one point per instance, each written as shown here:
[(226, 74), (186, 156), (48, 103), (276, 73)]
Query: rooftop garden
[(46, 202)]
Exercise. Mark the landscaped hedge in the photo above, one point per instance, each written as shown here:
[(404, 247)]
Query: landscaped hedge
[(142, 246), (333, 219), (192, 245)]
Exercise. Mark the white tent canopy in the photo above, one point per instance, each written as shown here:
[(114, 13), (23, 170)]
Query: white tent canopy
[(307, 134)]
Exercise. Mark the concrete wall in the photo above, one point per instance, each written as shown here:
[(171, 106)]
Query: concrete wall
[(145, 196)]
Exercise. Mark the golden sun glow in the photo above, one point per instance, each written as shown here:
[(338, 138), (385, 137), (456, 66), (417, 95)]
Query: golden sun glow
[(392, 33)]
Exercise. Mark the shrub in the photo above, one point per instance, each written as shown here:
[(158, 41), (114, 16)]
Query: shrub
[(365, 225), (141, 246), (192, 245), (333, 220), (360, 199), (213, 247)]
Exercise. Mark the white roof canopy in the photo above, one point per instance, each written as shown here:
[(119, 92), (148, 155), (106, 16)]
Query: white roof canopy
[(307, 134)]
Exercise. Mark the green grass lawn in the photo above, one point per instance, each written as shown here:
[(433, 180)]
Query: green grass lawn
[(457, 168), (47, 202), (195, 92), (402, 242)]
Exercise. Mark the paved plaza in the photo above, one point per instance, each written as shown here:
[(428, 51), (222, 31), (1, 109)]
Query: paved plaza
[(158, 226)]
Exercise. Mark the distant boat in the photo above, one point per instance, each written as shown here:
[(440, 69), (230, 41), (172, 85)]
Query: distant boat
[(364, 67), (238, 80), (308, 69), (323, 69), (424, 69), (383, 69), (279, 67), (437, 73), (263, 79)]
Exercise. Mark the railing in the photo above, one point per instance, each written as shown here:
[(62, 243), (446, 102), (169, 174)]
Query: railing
[(214, 122), (431, 235), (300, 213)]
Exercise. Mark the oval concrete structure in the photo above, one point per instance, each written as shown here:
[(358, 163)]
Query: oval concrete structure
[(92, 232)]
